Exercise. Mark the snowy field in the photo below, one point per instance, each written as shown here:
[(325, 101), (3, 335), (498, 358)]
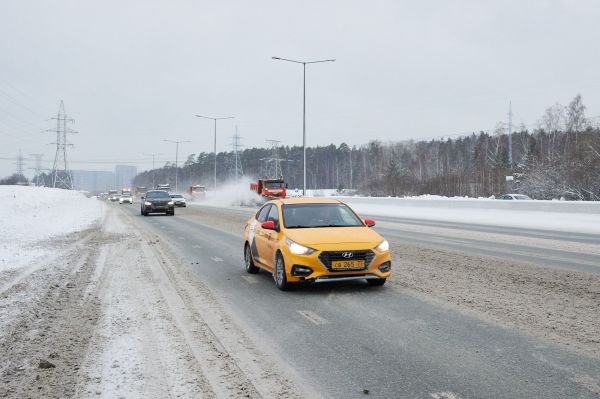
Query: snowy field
[(33, 214), (568, 216)]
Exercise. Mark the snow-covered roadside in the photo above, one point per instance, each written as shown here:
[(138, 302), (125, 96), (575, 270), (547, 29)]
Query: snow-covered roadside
[(32, 214), (580, 222)]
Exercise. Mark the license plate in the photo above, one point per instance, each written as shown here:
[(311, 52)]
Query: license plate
[(347, 264)]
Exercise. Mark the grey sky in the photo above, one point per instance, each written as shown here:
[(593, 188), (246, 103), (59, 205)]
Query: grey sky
[(135, 72)]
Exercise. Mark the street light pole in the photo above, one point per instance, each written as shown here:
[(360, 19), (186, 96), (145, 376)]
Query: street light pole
[(303, 112), (177, 142), (153, 168), (215, 140)]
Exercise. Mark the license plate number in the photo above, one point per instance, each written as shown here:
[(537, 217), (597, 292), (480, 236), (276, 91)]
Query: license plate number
[(347, 264)]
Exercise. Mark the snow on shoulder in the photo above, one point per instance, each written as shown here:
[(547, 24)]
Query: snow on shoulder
[(32, 214)]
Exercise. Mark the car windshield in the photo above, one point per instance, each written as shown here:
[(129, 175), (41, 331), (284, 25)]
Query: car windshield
[(274, 184), (297, 216), (126, 195), (157, 195)]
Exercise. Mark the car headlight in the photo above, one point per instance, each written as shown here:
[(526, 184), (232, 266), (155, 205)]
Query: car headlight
[(170, 203), (384, 246), (148, 203), (298, 249)]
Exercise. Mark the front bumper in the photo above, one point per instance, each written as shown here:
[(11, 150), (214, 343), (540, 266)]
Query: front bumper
[(377, 267), (159, 209)]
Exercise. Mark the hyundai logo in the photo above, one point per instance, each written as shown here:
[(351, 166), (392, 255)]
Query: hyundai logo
[(347, 255)]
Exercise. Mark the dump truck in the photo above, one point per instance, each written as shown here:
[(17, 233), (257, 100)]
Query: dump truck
[(196, 192), (269, 188)]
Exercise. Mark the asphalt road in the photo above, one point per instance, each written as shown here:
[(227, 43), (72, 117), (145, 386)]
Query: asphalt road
[(346, 338)]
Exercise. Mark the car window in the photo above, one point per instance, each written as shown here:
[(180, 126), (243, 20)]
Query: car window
[(319, 215), (157, 194), (273, 214), (261, 215)]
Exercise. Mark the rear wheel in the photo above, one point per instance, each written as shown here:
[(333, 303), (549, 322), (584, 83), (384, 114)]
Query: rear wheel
[(376, 283), (279, 274), (250, 266)]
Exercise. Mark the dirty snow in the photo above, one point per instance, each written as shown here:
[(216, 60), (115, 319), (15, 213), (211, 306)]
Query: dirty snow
[(32, 214)]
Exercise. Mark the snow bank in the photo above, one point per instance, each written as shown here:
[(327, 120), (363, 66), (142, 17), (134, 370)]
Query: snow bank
[(571, 216), (31, 214), (581, 217)]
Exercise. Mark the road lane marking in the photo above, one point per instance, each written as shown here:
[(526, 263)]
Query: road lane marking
[(250, 279), (215, 259), (196, 246), (181, 238), (312, 317), (444, 395)]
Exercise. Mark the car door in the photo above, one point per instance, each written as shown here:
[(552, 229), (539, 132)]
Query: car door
[(271, 238), (258, 243)]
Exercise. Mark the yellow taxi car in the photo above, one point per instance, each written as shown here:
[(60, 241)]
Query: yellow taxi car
[(314, 240)]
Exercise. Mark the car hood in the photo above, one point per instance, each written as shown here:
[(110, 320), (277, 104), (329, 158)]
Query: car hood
[(322, 237)]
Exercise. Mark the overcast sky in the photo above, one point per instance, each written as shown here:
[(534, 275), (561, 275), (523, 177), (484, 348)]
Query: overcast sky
[(133, 73)]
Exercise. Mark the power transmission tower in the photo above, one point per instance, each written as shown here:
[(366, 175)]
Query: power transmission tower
[(38, 167), (61, 175), (273, 163), (510, 154), (20, 164), (238, 170)]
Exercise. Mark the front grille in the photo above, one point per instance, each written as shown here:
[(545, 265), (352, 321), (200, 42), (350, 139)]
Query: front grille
[(326, 257)]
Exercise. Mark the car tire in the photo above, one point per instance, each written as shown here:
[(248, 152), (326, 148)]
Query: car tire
[(249, 262), (376, 283), (279, 274)]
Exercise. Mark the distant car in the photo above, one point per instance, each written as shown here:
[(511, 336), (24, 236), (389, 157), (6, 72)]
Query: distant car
[(179, 200), (157, 201), (126, 198), (514, 197)]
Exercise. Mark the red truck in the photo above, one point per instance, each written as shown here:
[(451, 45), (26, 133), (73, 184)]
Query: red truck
[(196, 192), (269, 188)]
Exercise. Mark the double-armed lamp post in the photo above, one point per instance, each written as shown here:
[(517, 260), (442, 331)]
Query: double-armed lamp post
[(304, 63), (215, 141), (177, 142)]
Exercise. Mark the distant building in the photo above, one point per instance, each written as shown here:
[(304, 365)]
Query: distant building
[(93, 181), (124, 175)]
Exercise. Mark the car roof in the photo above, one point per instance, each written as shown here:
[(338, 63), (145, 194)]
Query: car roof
[(309, 201)]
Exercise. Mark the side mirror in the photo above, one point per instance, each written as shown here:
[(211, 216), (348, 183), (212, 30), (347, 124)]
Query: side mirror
[(369, 222), (143, 198), (270, 225)]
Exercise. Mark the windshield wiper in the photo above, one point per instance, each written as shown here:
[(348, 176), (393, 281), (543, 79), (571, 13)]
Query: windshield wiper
[(298, 226)]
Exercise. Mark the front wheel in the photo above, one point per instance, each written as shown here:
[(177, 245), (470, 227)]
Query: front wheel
[(279, 274), (250, 266), (376, 283)]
